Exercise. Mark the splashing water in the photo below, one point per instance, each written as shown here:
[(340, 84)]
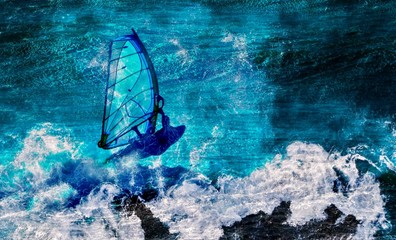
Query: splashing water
[(305, 176), (283, 101)]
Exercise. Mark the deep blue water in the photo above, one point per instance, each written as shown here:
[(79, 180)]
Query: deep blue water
[(280, 100)]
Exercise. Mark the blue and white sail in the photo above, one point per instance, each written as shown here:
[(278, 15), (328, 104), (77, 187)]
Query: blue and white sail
[(132, 96)]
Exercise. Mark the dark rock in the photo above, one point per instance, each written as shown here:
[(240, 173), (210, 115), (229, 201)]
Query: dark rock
[(264, 226), (152, 226), (332, 213), (149, 194), (388, 188), (341, 183)]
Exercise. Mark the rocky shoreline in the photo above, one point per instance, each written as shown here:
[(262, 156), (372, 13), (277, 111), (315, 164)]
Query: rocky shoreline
[(254, 226), (274, 226)]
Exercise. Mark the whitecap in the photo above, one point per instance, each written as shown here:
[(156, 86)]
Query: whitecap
[(304, 176)]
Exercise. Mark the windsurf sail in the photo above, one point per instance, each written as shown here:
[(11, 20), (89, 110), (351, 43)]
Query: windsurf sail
[(132, 98)]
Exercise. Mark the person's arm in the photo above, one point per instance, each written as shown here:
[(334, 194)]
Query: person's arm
[(165, 121), (164, 118), (137, 131)]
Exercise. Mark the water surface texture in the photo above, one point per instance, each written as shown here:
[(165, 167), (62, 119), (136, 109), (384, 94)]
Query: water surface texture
[(289, 108)]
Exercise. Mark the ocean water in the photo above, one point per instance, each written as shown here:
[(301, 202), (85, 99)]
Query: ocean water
[(289, 101)]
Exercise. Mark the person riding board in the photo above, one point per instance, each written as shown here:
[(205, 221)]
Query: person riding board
[(152, 144)]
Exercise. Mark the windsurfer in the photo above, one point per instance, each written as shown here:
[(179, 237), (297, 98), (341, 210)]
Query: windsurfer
[(133, 103), (152, 144), (157, 143)]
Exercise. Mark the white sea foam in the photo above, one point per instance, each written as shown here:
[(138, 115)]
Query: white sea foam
[(37, 146), (304, 176), (93, 218), (39, 210), (52, 196), (182, 52)]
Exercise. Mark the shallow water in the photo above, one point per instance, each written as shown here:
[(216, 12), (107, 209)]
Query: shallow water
[(282, 102)]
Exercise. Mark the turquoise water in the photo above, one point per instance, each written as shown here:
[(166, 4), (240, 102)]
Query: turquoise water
[(277, 98)]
